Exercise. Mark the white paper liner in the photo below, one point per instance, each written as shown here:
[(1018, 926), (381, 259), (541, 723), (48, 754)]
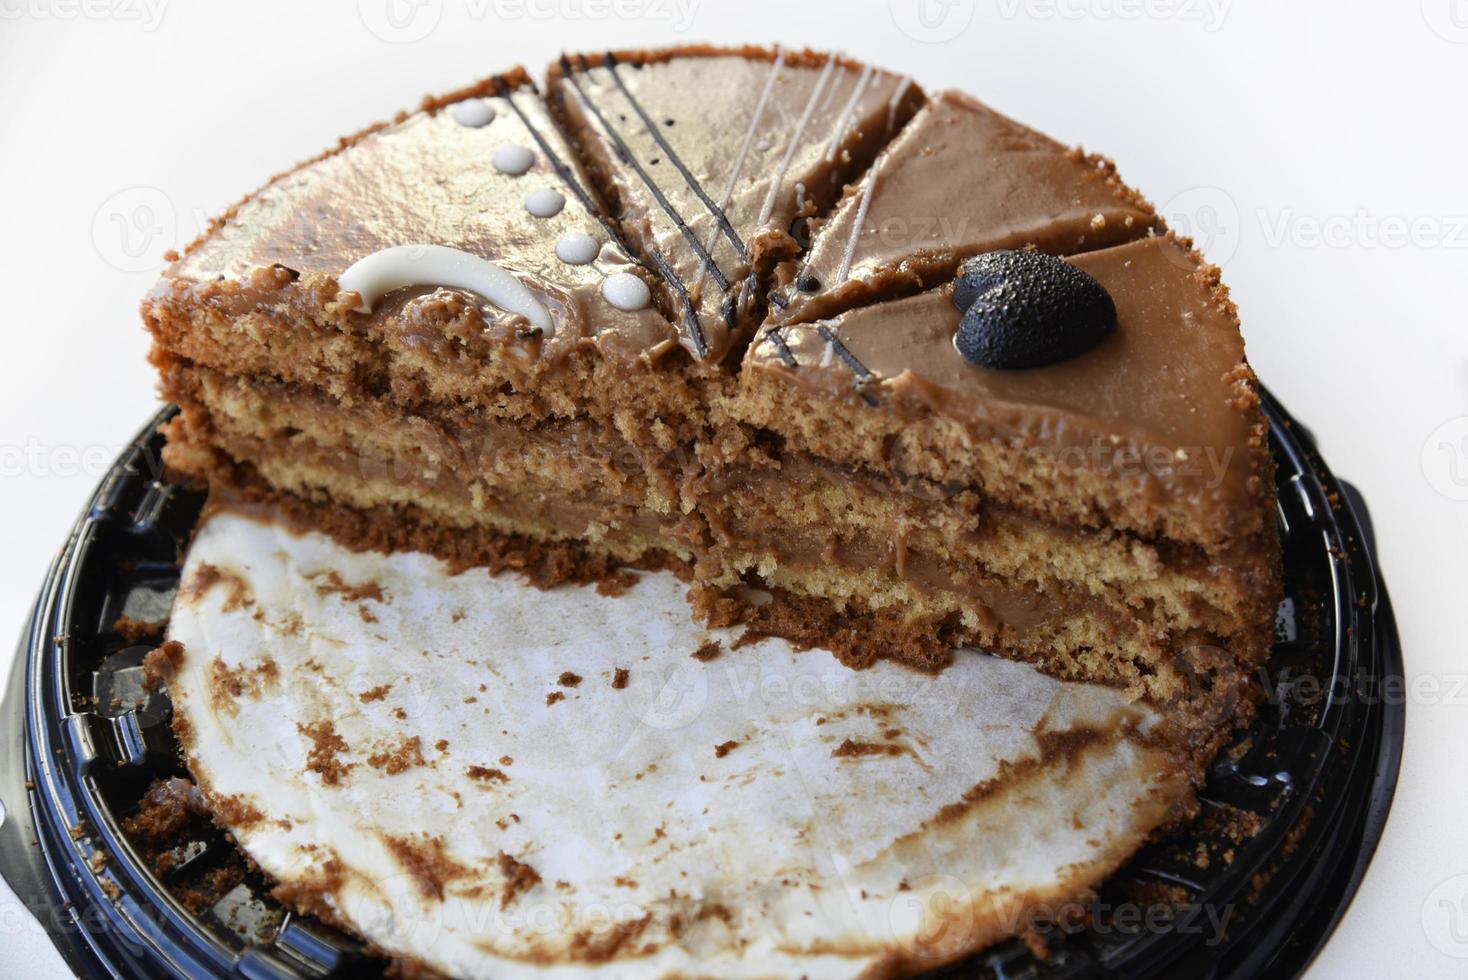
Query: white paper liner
[(965, 801)]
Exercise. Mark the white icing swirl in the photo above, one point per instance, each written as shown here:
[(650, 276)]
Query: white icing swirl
[(381, 272), (512, 159), (625, 291), (545, 203)]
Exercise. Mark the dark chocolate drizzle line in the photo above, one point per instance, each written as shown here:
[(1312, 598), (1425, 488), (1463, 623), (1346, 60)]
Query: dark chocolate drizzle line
[(695, 328), (782, 348), (625, 152), (863, 376), (673, 158), (557, 164)]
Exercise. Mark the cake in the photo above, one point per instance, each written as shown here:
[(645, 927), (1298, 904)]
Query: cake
[(651, 317)]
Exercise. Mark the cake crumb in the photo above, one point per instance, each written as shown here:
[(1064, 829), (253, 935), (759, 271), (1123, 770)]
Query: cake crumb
[(568, 679), (724, 748), (553, 697), (519, 877), (326, 745), (406, 755), (486, 775), (617, 583), (619, 678), (709, 651), (852, 748), (137, 630)]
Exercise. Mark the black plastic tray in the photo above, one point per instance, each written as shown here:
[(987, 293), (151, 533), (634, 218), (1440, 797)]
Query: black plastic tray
[(1312, 779)]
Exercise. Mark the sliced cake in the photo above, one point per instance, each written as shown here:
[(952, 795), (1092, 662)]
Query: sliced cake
[(493, 368), (492, 330), (713, 159), (960, 180), (1107, 516)]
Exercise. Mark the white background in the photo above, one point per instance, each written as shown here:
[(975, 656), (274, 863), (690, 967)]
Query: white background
[(1318, 150)]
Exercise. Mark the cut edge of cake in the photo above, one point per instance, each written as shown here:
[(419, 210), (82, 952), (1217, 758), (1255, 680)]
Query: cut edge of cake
[(658, 512)]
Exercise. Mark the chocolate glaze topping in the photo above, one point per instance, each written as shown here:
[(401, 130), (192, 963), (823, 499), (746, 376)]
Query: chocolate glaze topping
[(759, 139), (1166, 380), (700, 162), (427, 178), (961, 179)]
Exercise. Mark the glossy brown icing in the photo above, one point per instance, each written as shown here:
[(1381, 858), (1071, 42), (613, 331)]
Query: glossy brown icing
[(960, 179), (1165, 385), (426, 178), (763, 137)]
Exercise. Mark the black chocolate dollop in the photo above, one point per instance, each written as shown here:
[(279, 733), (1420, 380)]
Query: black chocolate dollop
[(1028, 309)]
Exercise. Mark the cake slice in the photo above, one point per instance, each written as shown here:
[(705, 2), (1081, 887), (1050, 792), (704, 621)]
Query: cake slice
[(504, 391), (1108, 516), (464, 332), (961, 179), (714, 158)]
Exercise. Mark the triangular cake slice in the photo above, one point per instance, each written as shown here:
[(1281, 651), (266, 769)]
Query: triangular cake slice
[(712, 158), (1108, 516), (511, 385), (961, 179)]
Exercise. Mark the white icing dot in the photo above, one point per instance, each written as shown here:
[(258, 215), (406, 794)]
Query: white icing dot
[(473, 113), (512, 159), (545, 203), (762, 144), (577, 248), (625, 291)]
